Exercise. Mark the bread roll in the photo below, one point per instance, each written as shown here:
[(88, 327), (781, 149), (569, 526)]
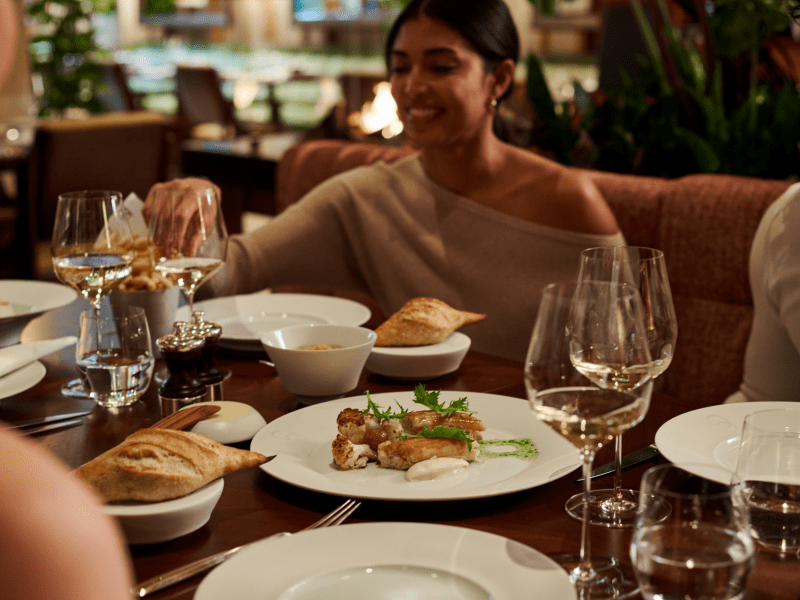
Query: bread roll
[(421, 322), (152, 465)]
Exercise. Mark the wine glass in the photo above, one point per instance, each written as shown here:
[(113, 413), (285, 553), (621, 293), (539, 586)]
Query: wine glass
[(91, 248), (587, 415), (645, 270), (702, 548), (188, 229)]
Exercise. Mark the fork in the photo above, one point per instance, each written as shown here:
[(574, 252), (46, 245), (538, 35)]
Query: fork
[(159, 582)]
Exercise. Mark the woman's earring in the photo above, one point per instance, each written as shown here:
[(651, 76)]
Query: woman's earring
[(492, 104)]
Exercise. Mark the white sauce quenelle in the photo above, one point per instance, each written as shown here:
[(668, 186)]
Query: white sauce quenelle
[(435, 468)]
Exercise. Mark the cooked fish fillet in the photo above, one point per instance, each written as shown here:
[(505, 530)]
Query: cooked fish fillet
[(420, 419), (350, 456), (402, 453), (423, 321)]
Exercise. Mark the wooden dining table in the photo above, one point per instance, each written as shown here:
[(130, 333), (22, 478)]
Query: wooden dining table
[(254, 505)]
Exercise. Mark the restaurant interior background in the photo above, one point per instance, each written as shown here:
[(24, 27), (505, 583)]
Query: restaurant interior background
[(238, 81)]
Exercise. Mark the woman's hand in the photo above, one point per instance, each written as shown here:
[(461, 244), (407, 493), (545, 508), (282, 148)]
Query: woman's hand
[(184, 216)]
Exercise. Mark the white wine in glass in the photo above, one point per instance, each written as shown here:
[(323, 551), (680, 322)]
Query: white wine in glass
[(644, 269), (188, 229), (91, 248), (586, 415)]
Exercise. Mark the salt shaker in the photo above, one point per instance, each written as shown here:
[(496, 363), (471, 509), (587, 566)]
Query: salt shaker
[(207, 369), (181, 350)]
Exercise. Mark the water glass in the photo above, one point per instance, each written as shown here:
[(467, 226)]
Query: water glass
[(768, 474), (114, 356), (702, 549)]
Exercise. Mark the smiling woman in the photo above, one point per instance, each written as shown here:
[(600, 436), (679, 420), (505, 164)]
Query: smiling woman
[(471, 220)]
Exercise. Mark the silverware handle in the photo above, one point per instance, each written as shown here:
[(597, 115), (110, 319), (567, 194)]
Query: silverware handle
[(159, 582)]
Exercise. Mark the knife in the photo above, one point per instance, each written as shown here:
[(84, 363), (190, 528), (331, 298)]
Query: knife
[(51, 426), (50, 418), (634, 458)]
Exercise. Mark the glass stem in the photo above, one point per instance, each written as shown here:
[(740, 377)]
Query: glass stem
[(98, 332), (585, 567), (618, 468)]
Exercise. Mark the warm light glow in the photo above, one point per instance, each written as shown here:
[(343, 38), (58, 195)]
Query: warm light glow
[(380, 114), (245, 91)]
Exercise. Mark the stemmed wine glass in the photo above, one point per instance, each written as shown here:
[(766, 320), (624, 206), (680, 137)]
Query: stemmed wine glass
[(188, 229), (645, 270), (91, 248), (585, 414)]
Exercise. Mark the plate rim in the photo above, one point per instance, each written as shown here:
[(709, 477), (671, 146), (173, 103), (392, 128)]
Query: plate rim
[(34, 372), (691, 456), (465, 558), (255, 341), (69, 295), (561, 465)]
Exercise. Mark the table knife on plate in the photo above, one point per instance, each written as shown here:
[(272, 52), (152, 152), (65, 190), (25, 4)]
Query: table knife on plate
[(634, 458)]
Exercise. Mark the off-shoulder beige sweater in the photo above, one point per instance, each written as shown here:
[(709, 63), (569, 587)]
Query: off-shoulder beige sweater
[(391, 232)]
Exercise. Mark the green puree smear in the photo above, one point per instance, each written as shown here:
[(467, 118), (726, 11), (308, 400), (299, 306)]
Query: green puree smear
[(525, 449)]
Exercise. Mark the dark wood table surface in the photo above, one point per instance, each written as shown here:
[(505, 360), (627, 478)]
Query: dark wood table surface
[(254, 505)]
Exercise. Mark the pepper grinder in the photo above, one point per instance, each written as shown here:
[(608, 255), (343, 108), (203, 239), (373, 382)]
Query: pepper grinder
[(181, 350), (207, 369)]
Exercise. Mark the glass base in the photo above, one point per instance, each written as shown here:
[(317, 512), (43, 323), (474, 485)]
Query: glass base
[(606, 508), (74, 389), (607, 580)]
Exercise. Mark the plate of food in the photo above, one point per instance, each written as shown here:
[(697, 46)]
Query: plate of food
[(708, 438), (420, 340), (423, 560), (516, 451), (244, 319)]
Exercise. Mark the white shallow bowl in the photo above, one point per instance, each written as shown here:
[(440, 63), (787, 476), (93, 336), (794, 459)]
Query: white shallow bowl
[(27, 300), (319, 373), (235, 422), (420, 362), (154, 522)]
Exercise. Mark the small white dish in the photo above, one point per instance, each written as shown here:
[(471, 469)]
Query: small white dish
[(319, 373), (420, 362), (21, 379), (26, 300), (235, 422), (155, 522)]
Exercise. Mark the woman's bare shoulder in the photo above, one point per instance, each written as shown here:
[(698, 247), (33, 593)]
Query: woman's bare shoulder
[(567, 198)]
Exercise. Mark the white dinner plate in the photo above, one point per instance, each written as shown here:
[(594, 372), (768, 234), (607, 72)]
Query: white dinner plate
[(419, 362), (302, 442), (244, 319), (21, 379), (710, 436), (24, 300), (375, 561)]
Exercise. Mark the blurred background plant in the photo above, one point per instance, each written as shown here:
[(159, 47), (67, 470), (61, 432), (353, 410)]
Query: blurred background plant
[(65, 56), (708, 98)]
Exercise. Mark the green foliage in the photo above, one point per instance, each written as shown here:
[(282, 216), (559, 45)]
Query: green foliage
[(690, 110), (430, 400), (64, 54), (442, 431), (381, 414)]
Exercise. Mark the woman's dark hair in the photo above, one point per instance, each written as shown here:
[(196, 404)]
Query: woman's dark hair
[(486, 24)]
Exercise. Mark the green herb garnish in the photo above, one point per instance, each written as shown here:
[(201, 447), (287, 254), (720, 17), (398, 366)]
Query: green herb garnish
[(442, 431), (380, 413), (431, 401)]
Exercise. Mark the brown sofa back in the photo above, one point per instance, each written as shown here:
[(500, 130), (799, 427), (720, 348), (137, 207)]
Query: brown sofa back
[(704, 224)]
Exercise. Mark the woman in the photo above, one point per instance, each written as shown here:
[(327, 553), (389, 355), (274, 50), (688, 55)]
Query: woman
[(471, 220)]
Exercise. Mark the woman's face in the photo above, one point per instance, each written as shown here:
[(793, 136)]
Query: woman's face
[(439, 84)]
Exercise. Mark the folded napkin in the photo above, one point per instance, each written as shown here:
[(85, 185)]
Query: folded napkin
[(20, 355)]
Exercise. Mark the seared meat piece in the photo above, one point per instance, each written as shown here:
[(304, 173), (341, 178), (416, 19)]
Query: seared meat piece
[(402, 453), (420, 419)]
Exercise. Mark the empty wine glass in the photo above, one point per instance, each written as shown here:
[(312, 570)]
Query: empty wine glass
[(586, 415), (188, 229), (91, 248), (702, 548), (645, 270)]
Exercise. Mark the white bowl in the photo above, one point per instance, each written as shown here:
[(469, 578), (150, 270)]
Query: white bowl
[(154, 522), (319, 372), (235, 422), (420, 362), (26, 300)]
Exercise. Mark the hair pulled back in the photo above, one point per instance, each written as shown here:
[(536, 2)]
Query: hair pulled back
[(486, 24)]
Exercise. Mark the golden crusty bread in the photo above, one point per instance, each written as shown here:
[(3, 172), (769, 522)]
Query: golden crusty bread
[(152, 465), (421, 322)]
